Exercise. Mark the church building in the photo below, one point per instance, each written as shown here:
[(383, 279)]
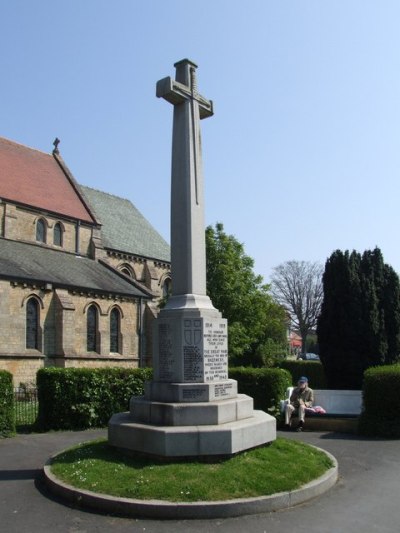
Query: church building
[(81, 271)]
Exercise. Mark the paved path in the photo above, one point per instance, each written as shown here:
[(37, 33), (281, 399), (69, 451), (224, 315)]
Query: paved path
[(366, 498)]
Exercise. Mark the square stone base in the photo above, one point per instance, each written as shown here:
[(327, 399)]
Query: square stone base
[(189, 441), (158, 391)]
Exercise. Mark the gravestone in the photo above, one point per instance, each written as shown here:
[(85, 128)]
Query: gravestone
[(191, 407)]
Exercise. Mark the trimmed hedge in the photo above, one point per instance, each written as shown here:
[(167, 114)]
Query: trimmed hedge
[(313, 370), (266, 385), (381, 411), (7, 419), (80, 398)]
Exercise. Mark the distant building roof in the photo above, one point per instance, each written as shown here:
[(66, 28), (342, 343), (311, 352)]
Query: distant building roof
[(124, 228), (33, 263), (34, 178), (295, 340)]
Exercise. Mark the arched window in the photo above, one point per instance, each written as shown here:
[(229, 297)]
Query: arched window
[(40, 230), (115, 329), (57, 236), (167, 287), (91, 329), (126, 271), (32, 324)]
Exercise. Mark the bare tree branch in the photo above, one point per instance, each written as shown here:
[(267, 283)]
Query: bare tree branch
[(297, 285)]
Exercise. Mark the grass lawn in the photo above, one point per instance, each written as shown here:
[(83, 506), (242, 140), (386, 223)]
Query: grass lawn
[(283, 465)]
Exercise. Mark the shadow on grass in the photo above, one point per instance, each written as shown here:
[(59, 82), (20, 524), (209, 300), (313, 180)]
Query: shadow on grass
[(103, 451)]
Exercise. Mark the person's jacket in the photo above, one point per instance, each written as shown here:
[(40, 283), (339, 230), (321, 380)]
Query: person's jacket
[(306, 394)]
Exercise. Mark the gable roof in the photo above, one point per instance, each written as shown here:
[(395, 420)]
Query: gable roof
[(124, 228), (37, 179), (36, 264)]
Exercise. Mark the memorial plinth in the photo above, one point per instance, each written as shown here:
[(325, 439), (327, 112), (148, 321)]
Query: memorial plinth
[(191, 407)]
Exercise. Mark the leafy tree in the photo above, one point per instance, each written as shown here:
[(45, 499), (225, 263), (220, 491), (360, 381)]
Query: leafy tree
[(359, 325), (254, 319), (297, 286)]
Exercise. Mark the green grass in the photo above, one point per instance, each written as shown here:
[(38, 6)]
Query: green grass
[(284, 465)]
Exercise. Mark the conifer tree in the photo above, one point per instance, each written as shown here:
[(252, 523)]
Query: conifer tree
[(359, 325), (391, 309)]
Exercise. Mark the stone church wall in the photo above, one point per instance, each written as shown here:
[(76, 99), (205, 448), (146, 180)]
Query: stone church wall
[(151, 273), (62, 333), (20, 224), (2, 209)]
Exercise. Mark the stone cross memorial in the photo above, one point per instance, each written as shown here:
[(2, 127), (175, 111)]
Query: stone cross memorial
[(191, 408)]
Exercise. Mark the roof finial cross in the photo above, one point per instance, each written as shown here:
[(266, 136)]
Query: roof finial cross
[(55, 144)]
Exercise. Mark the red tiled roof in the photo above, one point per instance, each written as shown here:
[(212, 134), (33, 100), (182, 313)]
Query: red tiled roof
[(34, 178), (295, 340)]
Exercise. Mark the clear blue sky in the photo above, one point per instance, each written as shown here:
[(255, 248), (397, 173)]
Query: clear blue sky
[(302, 156)]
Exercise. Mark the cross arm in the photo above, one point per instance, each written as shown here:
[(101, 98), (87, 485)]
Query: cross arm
[(176, 93)]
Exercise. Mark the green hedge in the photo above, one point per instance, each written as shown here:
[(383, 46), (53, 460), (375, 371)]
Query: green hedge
[(381, 412), (266, 385), (7, 419), (313, 370), (80, 398)]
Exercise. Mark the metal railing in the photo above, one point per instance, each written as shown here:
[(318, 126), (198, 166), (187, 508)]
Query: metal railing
[(26, 407)]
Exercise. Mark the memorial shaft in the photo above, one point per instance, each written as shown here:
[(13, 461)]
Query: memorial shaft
[(191, 407), (187, 202)]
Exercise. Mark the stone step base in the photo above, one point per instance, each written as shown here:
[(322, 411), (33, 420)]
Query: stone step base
[(190, 441), (184, 414)]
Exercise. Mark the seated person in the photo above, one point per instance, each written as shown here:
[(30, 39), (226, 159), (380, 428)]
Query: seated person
[(301, 397)]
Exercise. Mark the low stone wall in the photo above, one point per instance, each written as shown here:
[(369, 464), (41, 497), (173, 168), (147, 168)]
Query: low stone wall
[(98, 363), (336, 424), (343, 408), (23, 369)]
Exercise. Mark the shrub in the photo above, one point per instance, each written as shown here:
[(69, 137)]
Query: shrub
[(381, 411), (80, 398), (7, 419), (267, 386), (313, 370)]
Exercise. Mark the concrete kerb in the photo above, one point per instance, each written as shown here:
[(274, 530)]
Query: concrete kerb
[(160, 509)]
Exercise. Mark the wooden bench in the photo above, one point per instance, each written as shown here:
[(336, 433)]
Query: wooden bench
[(343, 407)]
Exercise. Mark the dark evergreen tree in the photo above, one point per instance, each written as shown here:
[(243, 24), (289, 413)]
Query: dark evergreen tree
[(339, 324), (359, 325), (391, 308)]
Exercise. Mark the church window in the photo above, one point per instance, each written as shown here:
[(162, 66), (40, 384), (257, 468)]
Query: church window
[(167, 287), (32, 324), (57, 236), (126, 269), (41, 231), (115, 329), (92, 328)]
